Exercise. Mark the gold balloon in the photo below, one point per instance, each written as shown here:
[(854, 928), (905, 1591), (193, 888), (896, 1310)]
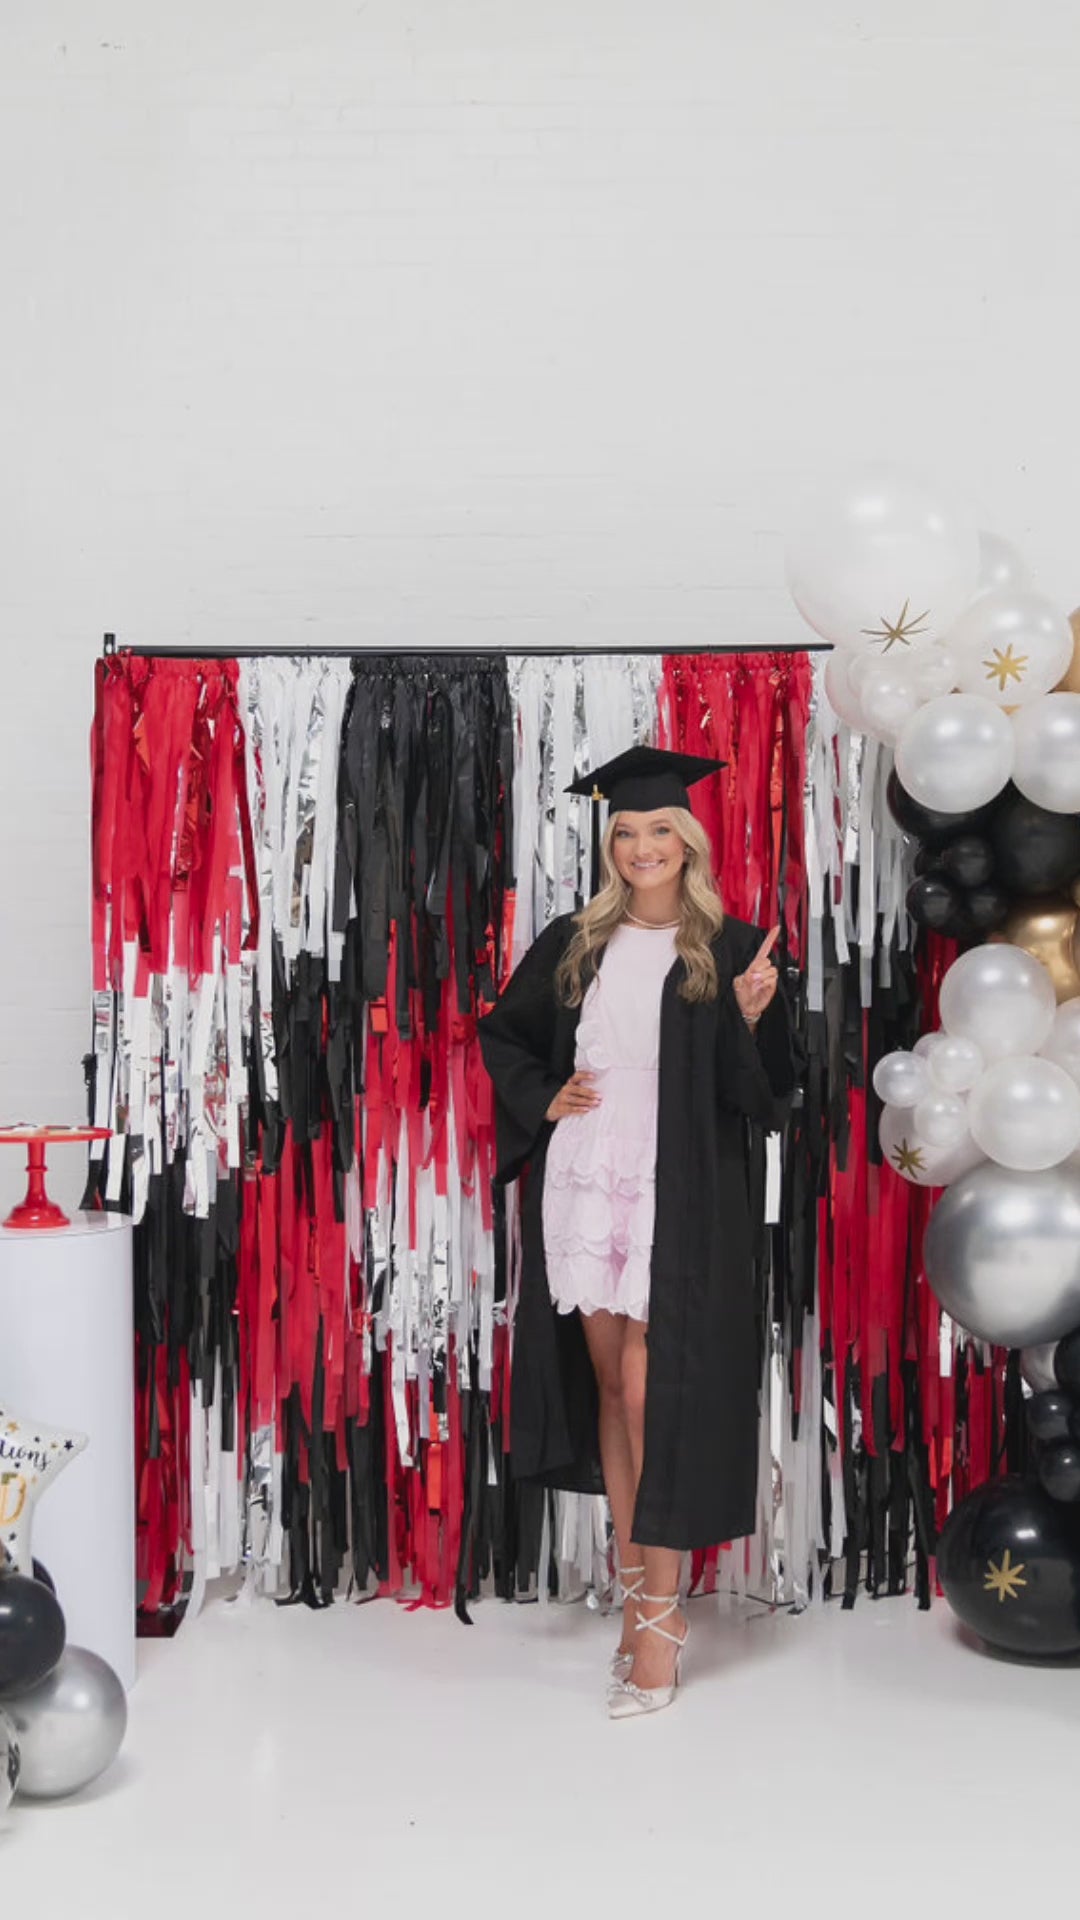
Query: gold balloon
[(1070, 679), (1047, 929)]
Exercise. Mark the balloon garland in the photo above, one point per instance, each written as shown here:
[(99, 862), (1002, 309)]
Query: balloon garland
[(972, 681), (63, 1711)]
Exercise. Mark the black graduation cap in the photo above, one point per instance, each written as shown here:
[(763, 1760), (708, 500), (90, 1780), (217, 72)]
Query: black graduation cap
[(644, 778)]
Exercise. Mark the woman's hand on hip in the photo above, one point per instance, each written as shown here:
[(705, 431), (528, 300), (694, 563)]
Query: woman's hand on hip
[(755, 989), (576, 1097)]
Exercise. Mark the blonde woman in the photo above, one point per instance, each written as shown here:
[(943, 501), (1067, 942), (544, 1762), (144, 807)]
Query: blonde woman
[(629, 1048)]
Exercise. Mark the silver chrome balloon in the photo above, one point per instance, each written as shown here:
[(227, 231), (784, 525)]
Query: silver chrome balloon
[(9, 1762), (1002, 1253), (69, 1727)]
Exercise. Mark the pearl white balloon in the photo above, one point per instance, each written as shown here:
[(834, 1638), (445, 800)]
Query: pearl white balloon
[(1037, 1366), (941, 1118), (1011, 646), (1062, 1044), (888, 697), (955, 1063), (915, 1159), (1000, 564), (859, 665), (1001, 998), (841, 695), (933, 672), (955, 753), (883, 560), (1024, 1113), (1047, 765), (901, 1079), (926, 1045)]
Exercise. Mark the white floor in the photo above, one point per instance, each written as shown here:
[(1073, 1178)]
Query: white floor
[(287, 1762)]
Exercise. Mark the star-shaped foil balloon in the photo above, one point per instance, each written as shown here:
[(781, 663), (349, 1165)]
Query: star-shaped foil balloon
[(31, 1456)]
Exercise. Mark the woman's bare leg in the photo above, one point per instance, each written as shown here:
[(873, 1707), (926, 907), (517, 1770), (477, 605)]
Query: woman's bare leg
[(654, 1658), (605, 1334)]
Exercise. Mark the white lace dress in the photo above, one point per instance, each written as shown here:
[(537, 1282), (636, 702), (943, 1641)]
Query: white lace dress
[(600, 1174)]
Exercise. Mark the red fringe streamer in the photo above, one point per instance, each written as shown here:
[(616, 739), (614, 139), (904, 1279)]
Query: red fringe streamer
[(751, 710), (874, 1302)]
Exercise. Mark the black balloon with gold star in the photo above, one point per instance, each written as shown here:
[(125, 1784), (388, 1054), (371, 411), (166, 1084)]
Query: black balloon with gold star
[(1009, 1561)]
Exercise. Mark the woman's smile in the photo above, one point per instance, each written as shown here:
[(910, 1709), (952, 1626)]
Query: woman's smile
[(649, 855)]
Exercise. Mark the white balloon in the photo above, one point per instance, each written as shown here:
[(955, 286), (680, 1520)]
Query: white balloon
[(1011, 646), (926, 1044), (955, 1063), (888, 697), (1047, 766), (883, 561), (839, 691), (1000, 564), (1037, 1366), (1062, 1044), (955, 753), (1001, 998), (933, 672), (915, 1159), (901, 1079), (941, 1119), (1024, 1113)]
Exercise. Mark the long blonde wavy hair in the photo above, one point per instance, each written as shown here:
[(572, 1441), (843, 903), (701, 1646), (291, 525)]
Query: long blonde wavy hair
[(701, 915)]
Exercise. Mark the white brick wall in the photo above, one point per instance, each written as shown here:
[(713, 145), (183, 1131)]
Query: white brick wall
[(497, 322)]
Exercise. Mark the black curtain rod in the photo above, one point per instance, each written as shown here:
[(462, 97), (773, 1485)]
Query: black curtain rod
[(431, 653)]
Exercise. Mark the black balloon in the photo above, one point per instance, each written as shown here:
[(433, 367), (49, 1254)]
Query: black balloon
[(1059, 1471), (1067, 1362), (1009, 1561), (986, 908), (969, 860), (1048, 1415), (924, 823), (933, 902), (928, 860), (42, 1573), (32, 1632), (1035, 851)]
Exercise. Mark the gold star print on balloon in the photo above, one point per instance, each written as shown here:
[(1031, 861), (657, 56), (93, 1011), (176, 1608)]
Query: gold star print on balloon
[(897, 633), (907, 1159), (1004, 1580), (1005, 667)]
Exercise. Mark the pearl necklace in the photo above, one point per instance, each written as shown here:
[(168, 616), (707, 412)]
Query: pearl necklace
[(654, 926)]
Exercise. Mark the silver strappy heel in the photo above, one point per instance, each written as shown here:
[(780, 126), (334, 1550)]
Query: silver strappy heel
[(621, 1663), (627, 1700)]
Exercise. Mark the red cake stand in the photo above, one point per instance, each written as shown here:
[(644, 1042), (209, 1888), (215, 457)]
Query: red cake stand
[(37, 1210)]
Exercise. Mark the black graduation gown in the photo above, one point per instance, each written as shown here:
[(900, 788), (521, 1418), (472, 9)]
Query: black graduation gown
[(699, 1480)]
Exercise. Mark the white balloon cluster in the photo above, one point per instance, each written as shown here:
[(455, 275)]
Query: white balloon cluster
[(999, 1081), (937, 632)]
